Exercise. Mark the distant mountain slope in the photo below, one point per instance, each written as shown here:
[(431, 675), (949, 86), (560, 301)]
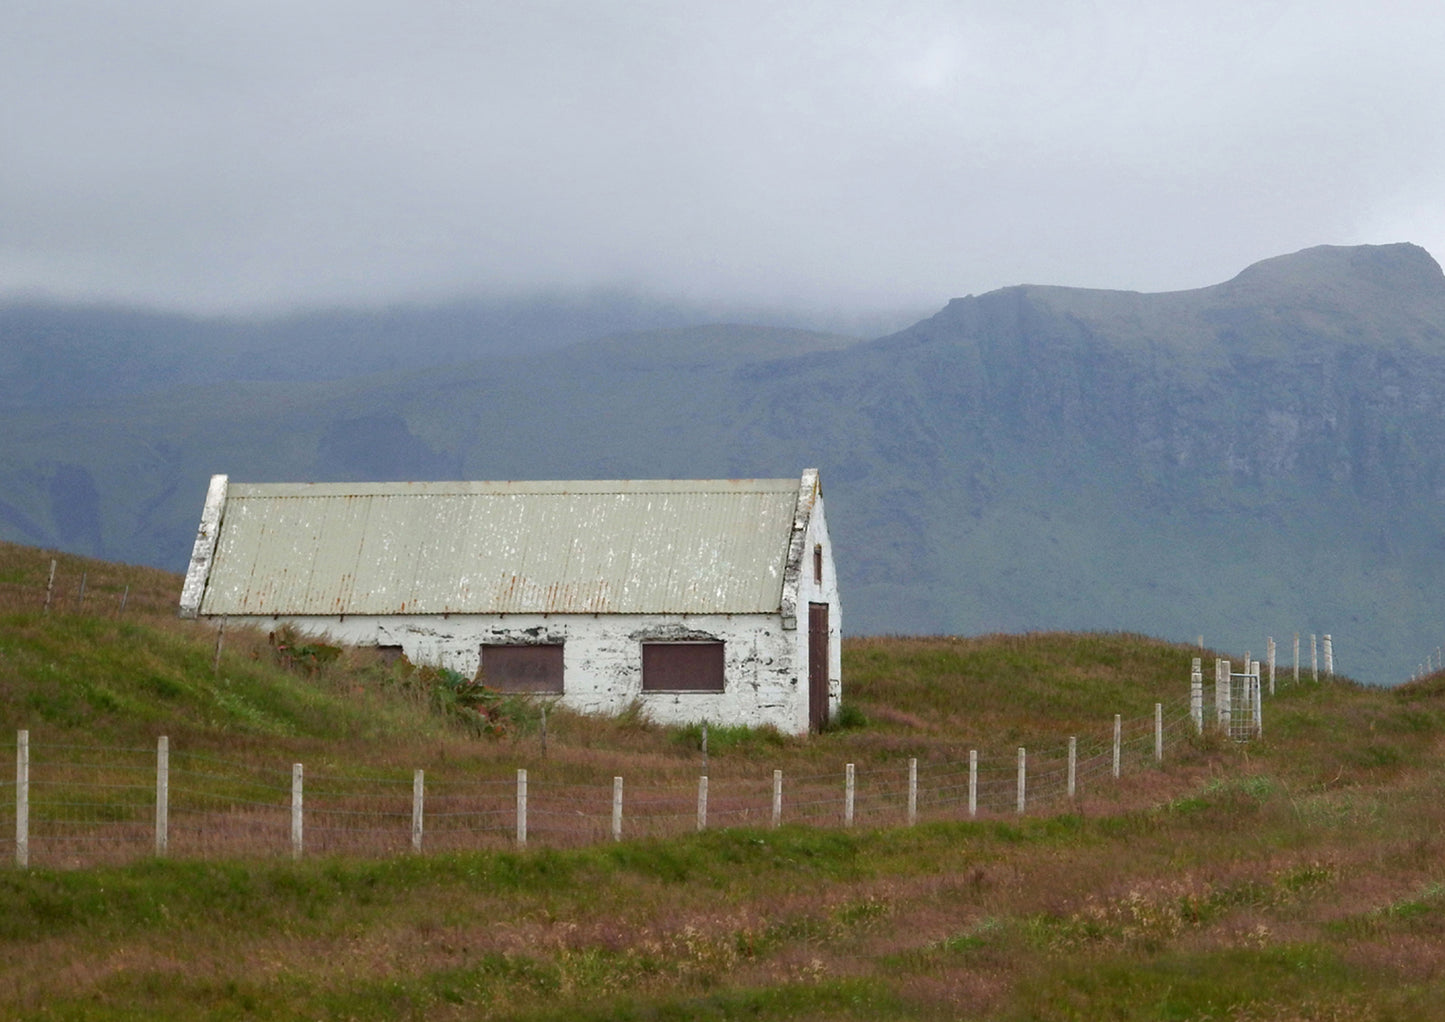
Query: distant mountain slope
[(63, 354), (1258, 457)]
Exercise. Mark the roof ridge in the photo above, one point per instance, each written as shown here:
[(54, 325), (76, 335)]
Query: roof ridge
[(536, 486)]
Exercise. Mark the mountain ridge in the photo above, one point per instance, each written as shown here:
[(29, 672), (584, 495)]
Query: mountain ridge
[(1032, 458)]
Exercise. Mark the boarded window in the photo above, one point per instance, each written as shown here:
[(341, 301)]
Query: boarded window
[(682, 667), (522, 668), (818, 563)]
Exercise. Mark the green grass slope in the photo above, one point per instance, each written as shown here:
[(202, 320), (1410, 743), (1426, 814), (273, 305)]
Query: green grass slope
[(1298, 877), (88, 671)]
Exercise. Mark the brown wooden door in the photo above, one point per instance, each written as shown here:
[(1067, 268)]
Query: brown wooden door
[(817, 666)]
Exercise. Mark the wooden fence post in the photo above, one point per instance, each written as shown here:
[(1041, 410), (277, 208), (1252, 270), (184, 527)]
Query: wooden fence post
[(702, 802), (777, 798), (1073, 766), (418, 797), (1118, 741), (912, 791), (1158, 732), (1023, 773), (1196, 695), (521, 808), (1223, 694), (1296, 658), (848, 791), (1314, 658), (297, 836), (50, 586), (22, 797), (163, 794), (972, 782), (1329, 657), (616, 809), (220, 640), (1270, 646)]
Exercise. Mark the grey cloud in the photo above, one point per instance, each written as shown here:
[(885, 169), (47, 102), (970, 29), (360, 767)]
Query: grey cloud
[(234, 156)]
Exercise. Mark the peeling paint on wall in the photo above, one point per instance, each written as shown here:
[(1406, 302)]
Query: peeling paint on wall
[(602, 658)]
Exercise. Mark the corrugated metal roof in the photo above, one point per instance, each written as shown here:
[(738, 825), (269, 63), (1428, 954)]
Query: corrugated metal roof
[(618, 547)]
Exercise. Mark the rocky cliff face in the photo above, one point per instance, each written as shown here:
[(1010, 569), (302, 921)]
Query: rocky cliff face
[(1264, 455), (1320, 370)]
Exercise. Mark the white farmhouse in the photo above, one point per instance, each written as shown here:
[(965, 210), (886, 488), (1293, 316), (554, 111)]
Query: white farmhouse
[(700, 600)]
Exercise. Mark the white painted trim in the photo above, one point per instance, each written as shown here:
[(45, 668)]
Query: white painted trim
[(793, 571), (204, 551)]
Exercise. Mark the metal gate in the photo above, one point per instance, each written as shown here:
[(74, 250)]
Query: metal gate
[(1238, 706)]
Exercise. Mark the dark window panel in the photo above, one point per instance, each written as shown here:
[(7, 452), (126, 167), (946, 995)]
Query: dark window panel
[(523, 668), (682, 667)]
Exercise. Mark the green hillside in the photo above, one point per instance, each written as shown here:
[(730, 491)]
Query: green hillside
[(1297, 877)]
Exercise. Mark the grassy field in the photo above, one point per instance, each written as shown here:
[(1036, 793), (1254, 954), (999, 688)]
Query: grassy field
[(1299, 877)]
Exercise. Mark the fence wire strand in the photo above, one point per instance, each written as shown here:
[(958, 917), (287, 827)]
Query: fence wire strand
[(92, 804)]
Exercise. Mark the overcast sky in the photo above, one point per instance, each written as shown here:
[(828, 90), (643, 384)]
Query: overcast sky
[(259, 155)]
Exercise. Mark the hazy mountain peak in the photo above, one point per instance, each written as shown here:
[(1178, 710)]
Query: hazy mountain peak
[(1379, 295), (1348, 271)]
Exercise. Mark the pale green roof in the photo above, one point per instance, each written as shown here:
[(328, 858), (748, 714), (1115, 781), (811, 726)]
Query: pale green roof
[(614, 547)]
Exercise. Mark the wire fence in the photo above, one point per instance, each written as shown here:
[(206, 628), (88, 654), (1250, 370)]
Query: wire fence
[(73, 806), (110, 593)]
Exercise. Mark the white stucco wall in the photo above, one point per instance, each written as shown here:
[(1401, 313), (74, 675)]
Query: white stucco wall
[(765, 672)]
